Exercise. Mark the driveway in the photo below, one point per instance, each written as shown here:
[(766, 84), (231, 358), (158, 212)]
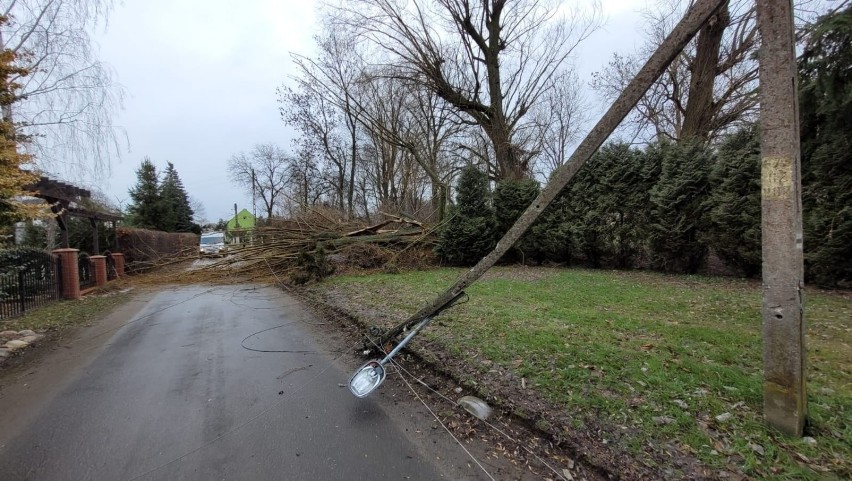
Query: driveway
[(175, 393)]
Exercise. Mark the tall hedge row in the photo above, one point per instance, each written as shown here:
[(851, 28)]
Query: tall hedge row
[(143, 248), (667, 207)]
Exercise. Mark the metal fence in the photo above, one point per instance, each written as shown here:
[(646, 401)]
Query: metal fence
[(27, 280), (112, 274), (86, 270)]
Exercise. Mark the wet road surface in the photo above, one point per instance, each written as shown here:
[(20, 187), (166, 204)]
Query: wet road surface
[(173, 395)]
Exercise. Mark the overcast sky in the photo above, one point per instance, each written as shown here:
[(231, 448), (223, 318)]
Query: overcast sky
[(201, 78)]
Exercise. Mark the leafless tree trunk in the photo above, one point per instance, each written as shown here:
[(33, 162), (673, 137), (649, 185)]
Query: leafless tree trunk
[(698, 114), (695, 18), (264, 172), (491, 60), (711, 85)]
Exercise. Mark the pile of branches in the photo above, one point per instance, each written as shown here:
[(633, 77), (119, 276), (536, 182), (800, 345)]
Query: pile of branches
[(315, 244)]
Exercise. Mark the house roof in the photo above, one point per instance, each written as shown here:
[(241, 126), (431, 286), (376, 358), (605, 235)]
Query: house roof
[(243, 220)]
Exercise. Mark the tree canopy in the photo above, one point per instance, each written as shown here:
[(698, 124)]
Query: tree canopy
[(160, 204)]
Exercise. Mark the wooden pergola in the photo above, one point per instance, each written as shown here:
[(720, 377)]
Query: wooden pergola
[(64, 199)]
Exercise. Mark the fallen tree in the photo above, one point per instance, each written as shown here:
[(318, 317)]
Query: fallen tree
[(308, 247)]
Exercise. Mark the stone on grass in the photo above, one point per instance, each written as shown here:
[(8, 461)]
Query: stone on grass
[(31, 339), (724, 417), (16, 344), (809, 440), (26, 332), (663, 419), (4, 353), (9, 334)]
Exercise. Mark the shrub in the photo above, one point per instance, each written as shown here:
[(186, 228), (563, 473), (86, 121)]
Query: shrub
[(469, 234), (734, 206), (679, 201), (511, 199)]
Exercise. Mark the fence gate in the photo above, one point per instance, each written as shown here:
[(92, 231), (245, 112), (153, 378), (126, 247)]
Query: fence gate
[(27, 280), (110, 266), (86, 270)]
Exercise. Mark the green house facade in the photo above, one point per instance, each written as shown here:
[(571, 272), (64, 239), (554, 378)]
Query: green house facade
[(240, 227)]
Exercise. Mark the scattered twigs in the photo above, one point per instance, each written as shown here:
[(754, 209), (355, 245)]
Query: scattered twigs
[(289, 247)]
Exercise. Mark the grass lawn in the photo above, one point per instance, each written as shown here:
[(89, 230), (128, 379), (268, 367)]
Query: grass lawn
[(64, 314), (656, 358)]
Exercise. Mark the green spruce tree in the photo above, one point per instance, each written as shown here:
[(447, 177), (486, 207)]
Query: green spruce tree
[(734, 205), (621, 205), (511, 199), (145, 210), (679, 203), (177, 213), (470, 232), (825, 101)]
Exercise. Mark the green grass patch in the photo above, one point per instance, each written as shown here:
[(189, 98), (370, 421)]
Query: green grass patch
[(657, 357), (63, 314)]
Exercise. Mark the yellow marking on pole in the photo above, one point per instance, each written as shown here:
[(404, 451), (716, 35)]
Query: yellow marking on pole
[(776, 177)]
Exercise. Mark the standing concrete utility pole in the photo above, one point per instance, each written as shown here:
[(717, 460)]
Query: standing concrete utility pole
[(785, 405)]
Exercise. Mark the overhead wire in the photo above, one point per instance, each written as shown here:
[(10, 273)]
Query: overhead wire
[(443, 425), (400, 370)]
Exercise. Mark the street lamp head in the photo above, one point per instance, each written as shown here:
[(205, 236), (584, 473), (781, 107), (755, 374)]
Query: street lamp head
[(367, 378)]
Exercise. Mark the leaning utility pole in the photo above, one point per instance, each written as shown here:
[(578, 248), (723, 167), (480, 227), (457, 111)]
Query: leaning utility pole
[(785, 405), (697, 15)]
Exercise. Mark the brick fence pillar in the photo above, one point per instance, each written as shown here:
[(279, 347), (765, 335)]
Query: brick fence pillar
[(118, 258), (70, 272), (99, 265)]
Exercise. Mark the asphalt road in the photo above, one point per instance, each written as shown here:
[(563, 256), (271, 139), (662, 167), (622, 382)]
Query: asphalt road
[(173, 395)]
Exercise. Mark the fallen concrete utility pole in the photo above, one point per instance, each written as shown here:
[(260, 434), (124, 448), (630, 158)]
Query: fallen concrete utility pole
[(785, 405), (691, 23)]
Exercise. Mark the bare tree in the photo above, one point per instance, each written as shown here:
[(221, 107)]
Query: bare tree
[(263, 172), (558, 124), (319, 124), (711, 86), (306, 186), (416, 126), (492, 60), (327, 113), (199, 213), (68, 99)]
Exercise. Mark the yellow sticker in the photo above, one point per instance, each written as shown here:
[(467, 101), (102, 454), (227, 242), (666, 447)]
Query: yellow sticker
[(776, 177)]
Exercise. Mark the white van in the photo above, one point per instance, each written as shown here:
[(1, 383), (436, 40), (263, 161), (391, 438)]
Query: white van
[(212, 244)]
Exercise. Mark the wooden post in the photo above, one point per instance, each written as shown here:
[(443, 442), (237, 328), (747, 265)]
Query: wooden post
[(784, 388), (96, 247), (684, 31)]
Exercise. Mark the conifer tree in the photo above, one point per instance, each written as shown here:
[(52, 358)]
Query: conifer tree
[(145, 211), (470, 232), (825, 101), (177, 213), (511, 199), (734, 205), (679, 202)]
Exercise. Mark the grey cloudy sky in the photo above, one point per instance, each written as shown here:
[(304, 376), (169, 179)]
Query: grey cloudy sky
[(201, 78)]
